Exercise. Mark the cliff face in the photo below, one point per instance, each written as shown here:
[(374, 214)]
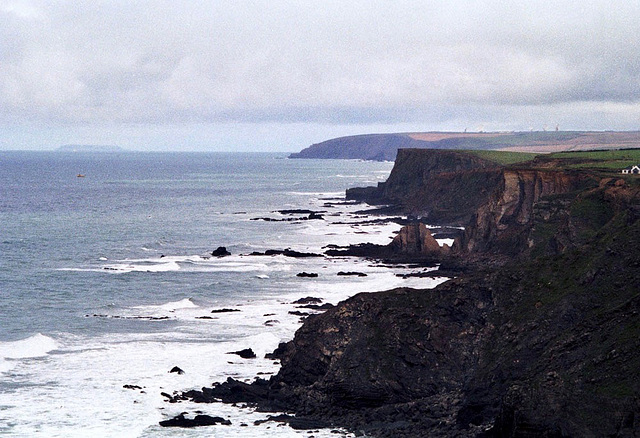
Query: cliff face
[(523, 200), (443, 186), (541, 347)]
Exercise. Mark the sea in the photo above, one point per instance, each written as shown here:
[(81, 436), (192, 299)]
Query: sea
[(107, 281)]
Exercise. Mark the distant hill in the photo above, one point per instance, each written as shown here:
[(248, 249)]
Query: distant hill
[(384, 147), (89, 148)]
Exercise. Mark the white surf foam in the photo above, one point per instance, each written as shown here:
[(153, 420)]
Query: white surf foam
[(34, 346), (171, 306)]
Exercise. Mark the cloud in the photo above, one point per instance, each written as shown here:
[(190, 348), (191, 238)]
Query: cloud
[(285, 61)]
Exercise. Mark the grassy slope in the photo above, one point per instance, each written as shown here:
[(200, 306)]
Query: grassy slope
[(503, 158), (601, 159)]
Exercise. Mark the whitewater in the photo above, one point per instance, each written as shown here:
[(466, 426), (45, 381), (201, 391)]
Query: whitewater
[(107, 281)]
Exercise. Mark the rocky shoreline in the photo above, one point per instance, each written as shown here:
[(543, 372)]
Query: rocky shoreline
[(538, 335)]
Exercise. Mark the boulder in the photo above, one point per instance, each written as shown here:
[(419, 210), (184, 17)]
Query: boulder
[(221, 251)]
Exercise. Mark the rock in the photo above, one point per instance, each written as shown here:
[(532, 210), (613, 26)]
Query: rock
[(307, 274), (221, 251), (225, 310), (197, 421), (176, 370), (247, 353), (415, 239), (356, 274), (325, 306), (295, 422), (286, 253), (308, 300), (278, 353), (134, 387)]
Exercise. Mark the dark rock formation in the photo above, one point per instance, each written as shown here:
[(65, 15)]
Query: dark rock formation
[(307, 274), (247, 353), (308, 300), (225, 310), (416, 240), (221, 251), (539, 338), (285, 252), (351, 274), (176, 370), (197, 421), (444, 187)]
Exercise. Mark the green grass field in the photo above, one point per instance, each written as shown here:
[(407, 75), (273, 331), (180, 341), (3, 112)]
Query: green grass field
[(603, 159), (504, 158)]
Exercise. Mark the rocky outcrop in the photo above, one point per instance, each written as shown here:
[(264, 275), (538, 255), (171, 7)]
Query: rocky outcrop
[(416, 240), (413, 242)]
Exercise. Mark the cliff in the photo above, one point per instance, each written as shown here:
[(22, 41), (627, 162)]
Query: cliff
[(523, 205), (442, 186), (541, 338), (544, 347)]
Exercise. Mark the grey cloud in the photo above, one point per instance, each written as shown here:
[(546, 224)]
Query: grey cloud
[(327, 62)]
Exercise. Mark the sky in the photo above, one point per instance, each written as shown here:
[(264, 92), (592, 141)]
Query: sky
[(279, 75)]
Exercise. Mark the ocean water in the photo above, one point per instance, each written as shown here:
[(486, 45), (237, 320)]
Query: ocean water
[(106, 280)]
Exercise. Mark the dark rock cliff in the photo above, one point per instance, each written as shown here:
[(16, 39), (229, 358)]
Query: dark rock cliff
[(443, 186), (542, 347)]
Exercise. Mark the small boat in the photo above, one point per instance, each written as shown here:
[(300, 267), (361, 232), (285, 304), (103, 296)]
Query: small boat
[(80, 175)]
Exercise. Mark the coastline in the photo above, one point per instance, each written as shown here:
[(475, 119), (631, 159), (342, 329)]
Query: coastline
[(532, 338)]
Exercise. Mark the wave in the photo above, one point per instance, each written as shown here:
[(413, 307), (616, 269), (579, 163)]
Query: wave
[(171, 306), (34, 346)]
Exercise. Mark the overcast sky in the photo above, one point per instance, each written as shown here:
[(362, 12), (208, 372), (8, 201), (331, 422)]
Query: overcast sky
[(278, 75)]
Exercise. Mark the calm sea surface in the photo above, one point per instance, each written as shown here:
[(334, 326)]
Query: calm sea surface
[(106, 280)]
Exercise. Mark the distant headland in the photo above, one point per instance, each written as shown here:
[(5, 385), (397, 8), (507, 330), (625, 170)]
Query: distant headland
[(90, 148), (383, 147)]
